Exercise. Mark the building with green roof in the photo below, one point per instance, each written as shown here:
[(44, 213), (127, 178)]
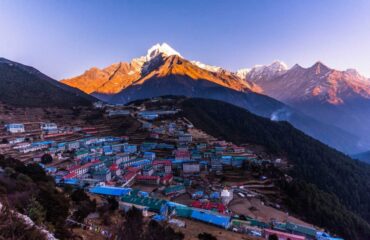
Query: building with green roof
[(301, 230), (153, 204)]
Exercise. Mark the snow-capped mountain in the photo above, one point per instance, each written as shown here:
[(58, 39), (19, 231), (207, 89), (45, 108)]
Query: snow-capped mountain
[(116, 77), (317, 82), (242, 73), (163, 71), (340, 98), (263, 72), (161, 49)]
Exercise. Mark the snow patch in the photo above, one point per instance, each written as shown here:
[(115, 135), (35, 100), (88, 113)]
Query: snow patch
[(263, 72), (163, 49), (242, 73), (206, 67)]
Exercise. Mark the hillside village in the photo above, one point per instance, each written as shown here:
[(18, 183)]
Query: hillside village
[(147, 155)]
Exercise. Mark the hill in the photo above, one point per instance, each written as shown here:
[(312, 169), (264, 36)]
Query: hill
[(328, 188), (27, 87)]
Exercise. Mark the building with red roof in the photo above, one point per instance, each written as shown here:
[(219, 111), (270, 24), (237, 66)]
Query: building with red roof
[(150, 180), (129, 178), (162, 165), (282, 235), (182, 155), (115, 170), (167, 179)]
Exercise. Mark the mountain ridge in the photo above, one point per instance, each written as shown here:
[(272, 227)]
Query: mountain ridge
[(163, 71), (28, 87), (340, 98)]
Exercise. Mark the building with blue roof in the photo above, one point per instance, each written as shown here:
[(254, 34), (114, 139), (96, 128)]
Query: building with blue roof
[(15, 127), (325, 236), (210, 217), (110, 191), (149, 155)]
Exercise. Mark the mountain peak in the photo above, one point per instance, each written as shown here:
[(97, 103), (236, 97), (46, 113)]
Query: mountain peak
[(297, 66), (320, 68), (243, 72), (264, 72), (278, 66), (163, 49)]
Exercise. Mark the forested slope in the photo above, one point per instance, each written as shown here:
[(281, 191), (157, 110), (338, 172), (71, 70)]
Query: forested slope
[(329, 188)]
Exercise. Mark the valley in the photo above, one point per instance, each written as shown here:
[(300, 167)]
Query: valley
[(133, 144)]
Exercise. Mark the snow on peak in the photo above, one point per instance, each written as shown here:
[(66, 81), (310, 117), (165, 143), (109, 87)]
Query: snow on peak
[(207, 67), (278, 66), (243, 72), (355, 73), (158, 49), (260, 72)]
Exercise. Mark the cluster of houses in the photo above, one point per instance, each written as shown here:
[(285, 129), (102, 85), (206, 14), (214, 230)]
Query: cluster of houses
[(115, 161), (167, 160), (47, 128), (211, 213)]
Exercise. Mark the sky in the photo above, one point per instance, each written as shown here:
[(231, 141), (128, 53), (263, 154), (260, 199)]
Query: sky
[(65, 38)]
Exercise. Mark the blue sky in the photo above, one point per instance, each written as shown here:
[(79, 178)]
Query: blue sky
[(64, 38)]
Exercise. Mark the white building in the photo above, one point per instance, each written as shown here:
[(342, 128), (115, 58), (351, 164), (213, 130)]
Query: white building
[(15, 127), (186, 138), (191, 168), (49, 127), (226, 196)]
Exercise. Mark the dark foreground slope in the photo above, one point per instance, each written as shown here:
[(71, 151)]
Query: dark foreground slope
[(28, 190), (25, 86), (329, 189)]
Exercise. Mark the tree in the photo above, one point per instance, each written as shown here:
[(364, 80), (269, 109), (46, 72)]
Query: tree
[(153, 230), (84, 209), (46, 158), (170, 234), (273, 237), (56, 204), (113, 204), (84, 204), (49, 205), (13, 227), (206, 236), (132, 228), (36, 211), (79, 195), (156, 231)]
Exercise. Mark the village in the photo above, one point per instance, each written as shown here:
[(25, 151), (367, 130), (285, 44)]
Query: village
[(166, 167)]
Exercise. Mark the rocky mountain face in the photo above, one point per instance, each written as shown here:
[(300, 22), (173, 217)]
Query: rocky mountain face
[(25, 86), (340, 98), (161, 60)]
